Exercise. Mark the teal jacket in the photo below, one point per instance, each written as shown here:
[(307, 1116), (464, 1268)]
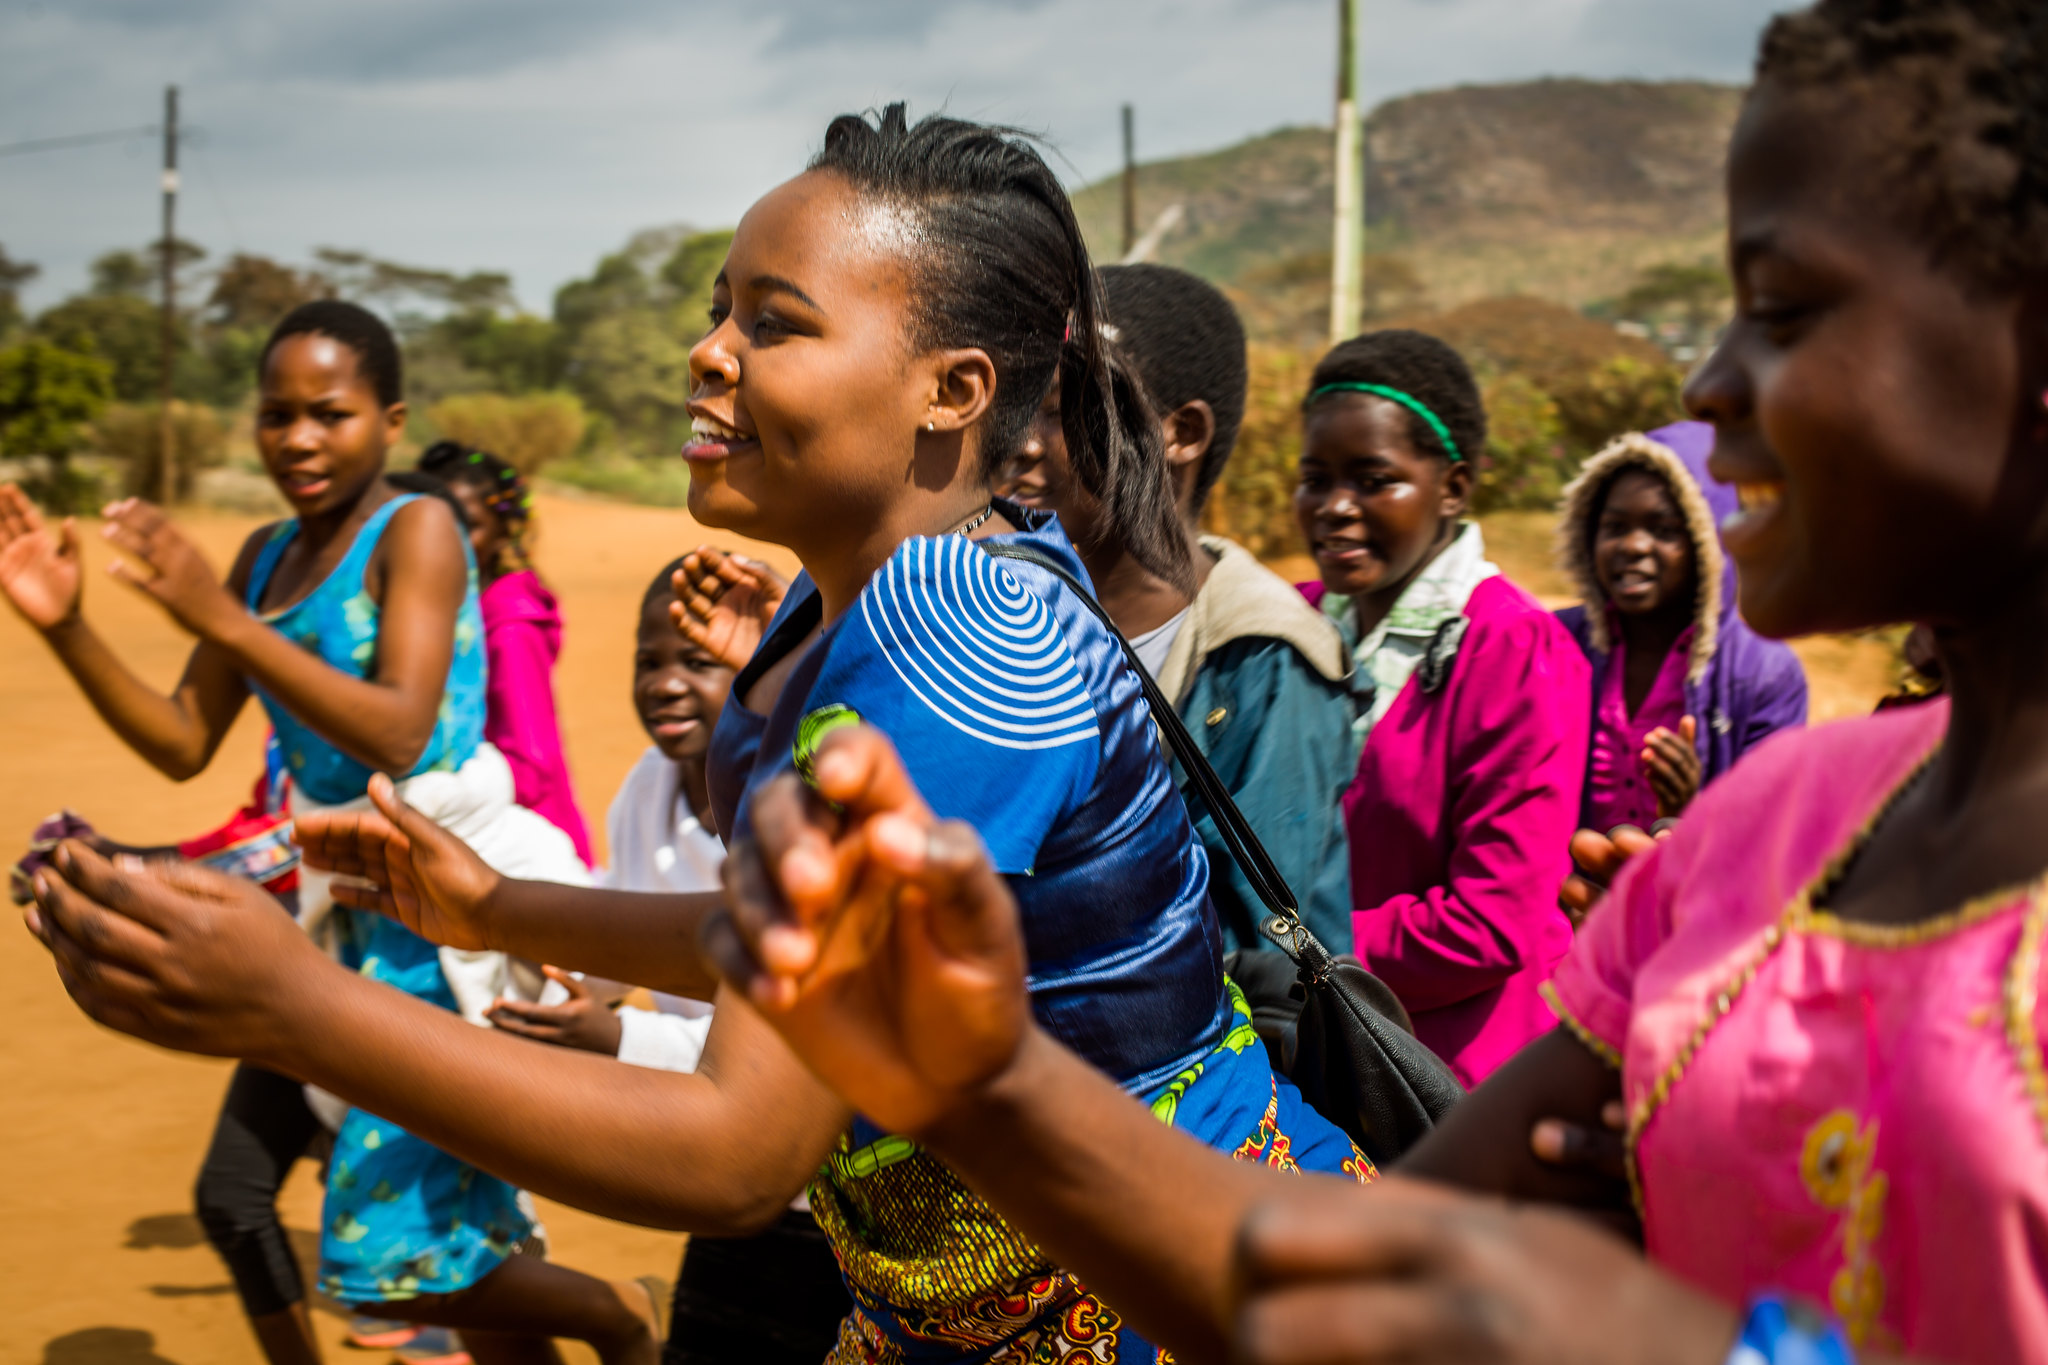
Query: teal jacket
[(1259, 677)]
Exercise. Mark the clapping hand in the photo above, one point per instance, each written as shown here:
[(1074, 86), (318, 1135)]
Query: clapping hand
[(399, 863), (173, 953), (1672, 763), (878, 940), (171, 569), (724, 603), (39, 568)]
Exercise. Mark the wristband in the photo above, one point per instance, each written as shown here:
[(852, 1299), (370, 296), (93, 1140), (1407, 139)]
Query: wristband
[(1785, 1331)]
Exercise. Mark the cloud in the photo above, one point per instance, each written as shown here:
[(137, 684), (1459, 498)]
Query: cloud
[(531, 136)]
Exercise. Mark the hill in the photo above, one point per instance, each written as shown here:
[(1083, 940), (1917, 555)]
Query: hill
[(1564, 189)]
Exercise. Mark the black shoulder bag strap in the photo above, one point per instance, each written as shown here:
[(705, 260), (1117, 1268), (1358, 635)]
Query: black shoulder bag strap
[(1352, 1057)]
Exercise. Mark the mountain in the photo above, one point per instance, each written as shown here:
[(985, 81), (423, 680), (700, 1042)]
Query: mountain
[(1564, 189)]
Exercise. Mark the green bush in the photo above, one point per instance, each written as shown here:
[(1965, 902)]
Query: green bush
[(1525, 464), (531, 431), (132, 433), (656, 483)]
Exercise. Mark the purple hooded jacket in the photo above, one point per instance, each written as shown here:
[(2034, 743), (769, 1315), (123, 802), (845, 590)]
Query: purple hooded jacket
[(1748, 687)]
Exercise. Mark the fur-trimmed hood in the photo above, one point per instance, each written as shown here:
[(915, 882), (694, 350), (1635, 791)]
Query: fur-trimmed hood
[(1574, 539)]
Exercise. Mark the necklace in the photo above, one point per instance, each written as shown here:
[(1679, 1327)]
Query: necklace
[(976, 520)]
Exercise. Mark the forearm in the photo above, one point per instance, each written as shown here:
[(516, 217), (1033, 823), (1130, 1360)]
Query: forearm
[(637, 937), (168, 735), (384, 726), (720, 1152), (1145, 1215)]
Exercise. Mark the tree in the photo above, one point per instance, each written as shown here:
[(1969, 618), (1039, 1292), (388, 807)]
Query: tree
[(124, 330), (529, 431), (47, 395), (255, 292), (13, 275)]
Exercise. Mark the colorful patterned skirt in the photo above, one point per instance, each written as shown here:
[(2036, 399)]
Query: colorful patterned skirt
[(403, 1218), (937, 1275)]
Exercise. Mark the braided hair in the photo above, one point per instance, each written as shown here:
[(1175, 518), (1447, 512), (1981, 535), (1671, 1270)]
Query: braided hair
[(997, 262), (1971, 77), (503, 487)]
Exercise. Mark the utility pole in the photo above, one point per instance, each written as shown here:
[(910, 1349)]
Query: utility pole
[(170, 247), (1130, 181), (1347, 243)]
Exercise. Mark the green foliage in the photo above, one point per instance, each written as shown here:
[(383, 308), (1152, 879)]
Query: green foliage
[(530, 431), (124, 330), (655, 483), (254, 293), (1253, 503), (1525, 464), (47, 395), (626, 334), (13, 275), (133, 434), (1621, 394)]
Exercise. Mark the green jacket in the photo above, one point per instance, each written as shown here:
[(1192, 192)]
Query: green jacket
[(1259, 677)]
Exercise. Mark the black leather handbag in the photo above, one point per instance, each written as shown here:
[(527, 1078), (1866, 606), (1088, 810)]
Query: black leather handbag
[(1330, 1026)]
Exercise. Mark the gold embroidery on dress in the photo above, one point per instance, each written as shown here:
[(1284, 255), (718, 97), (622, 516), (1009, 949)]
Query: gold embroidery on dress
[(1835, 1165)]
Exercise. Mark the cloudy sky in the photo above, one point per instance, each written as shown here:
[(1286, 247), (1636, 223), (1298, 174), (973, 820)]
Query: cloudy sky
[(531, 136)]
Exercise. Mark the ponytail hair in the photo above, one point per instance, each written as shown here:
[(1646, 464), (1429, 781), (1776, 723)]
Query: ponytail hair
[(997, 262)]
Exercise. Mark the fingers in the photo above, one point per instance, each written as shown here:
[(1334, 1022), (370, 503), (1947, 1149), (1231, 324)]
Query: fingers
[(857, 767), (1350, 1323), (352, 843), (755, 943), (1576, 1147), (1594, 854), (78, 927), (798, 837), (568, 981), (973, 912), (1292, 1238), (126, 887), (18, 516)]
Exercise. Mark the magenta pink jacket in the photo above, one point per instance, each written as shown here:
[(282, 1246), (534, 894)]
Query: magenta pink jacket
[(1460, 821), (523, 637)]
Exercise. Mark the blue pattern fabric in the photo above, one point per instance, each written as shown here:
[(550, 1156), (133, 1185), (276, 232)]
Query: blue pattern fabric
[(402, 1217), (338, 622), (952, 654)]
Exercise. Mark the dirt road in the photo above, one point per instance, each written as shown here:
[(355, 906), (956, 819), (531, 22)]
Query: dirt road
[(101, 1262)]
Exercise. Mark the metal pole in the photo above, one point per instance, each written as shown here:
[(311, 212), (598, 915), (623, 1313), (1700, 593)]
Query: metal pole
[(1130, 182), (1347, 241), (166, 435)]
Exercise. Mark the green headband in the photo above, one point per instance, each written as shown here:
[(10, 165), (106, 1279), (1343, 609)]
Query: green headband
[(1408, 401)]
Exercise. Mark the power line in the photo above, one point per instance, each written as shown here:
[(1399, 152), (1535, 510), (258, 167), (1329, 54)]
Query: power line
[(51, 144)]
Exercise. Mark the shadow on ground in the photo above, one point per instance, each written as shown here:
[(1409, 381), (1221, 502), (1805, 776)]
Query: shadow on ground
[(104, 1346)]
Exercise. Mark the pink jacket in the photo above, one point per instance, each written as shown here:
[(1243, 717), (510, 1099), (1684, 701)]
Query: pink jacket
[(523, 637), (1460, 821)]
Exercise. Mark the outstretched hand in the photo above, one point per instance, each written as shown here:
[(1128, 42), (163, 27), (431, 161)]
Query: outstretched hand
[(167, 566), (878, 940), (173, 953), (399, 863), (39, 568), (724, 603)]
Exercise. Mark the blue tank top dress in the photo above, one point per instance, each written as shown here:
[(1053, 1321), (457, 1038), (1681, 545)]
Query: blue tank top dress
[(1015, 711), (402, 1218)]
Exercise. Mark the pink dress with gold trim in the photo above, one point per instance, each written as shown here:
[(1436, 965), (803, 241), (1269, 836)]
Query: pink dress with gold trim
[(1848, 1112)]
